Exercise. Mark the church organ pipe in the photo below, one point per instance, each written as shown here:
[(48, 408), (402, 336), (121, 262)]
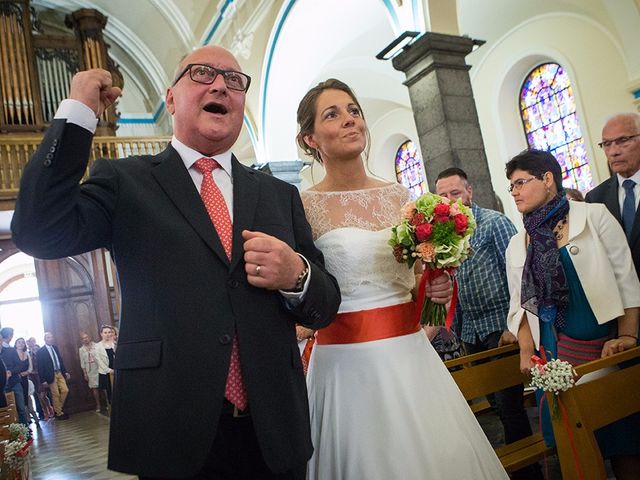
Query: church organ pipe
[(17, 87), (58, 79), (89, 25), (25, 83), (4, 80)]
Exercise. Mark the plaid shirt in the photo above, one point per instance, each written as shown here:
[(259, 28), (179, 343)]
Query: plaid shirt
[(483, 294)]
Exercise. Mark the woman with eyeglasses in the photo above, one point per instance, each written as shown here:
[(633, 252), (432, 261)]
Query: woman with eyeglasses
[(105, 355), (574, 290)]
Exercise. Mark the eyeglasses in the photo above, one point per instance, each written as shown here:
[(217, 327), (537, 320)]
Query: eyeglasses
[(518, 184), (207, 74), (620, 141)]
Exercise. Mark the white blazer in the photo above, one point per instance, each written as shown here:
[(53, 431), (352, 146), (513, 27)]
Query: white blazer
[(102, 359), (600, 253)]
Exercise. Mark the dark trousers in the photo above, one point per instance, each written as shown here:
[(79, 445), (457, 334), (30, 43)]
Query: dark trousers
[(235, 454), (104, 383), (510, 407)]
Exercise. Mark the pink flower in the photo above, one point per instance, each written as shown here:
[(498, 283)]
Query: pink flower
[(426, 251), (408, 210), (461, 223), (417, 219), (454, 209), (423, 231)]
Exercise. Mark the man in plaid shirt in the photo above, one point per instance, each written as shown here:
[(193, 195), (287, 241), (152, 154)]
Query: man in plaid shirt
[(483, 300)]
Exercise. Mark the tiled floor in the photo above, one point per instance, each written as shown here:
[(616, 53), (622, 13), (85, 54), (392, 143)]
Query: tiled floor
[(74, 449)]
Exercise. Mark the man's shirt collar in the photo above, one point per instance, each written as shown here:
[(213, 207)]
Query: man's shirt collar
[(190, 156)]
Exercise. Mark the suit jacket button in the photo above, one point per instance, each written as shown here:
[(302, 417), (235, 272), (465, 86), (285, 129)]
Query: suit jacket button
[(573, 250), (233, 283), (47, 162), (225, 339), (52, 150)]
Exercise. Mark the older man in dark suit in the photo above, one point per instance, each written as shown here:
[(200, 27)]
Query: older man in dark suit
[(53, 374), (206, 249), (621, 192)]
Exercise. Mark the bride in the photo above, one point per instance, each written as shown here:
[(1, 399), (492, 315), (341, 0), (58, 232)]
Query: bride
[(383, 406)]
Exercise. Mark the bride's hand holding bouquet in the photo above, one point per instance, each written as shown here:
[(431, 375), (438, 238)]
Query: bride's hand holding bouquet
[(435, 231)]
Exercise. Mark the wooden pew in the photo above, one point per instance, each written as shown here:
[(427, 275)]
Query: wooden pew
[(590, 406), (479, 375), (8, 415)]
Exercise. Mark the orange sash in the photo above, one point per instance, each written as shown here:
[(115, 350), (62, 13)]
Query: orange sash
[(368, 325)]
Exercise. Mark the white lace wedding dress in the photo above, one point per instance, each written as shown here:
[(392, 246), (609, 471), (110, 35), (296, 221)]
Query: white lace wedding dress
[(383, 409)]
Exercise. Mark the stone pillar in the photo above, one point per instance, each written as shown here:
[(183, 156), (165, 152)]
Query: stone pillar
[(444, 109), (289, 170)]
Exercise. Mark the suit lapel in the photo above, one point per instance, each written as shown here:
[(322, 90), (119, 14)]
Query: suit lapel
[(577, 219), (174, 179), (635, 231), (246, 191), (611, 199)]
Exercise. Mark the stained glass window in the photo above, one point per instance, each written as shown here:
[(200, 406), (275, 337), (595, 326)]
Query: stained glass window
[(548, 110), (410, 169)]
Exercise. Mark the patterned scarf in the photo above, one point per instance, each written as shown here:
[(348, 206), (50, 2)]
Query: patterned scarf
[(544, 285)]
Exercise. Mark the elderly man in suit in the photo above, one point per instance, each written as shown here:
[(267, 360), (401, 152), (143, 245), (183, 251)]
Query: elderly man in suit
[(54, 375), (205, 248), (621, 192)]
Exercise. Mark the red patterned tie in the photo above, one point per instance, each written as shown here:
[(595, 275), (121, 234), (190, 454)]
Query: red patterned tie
[(219, 214)]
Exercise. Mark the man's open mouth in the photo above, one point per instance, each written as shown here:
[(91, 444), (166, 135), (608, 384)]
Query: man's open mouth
[(215, 108)]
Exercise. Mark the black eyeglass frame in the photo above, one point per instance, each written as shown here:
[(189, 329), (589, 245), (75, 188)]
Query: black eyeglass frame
[(218, 71), (617, 141)]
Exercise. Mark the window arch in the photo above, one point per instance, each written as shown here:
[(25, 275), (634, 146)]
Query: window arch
[(548, 112), (410, 169)]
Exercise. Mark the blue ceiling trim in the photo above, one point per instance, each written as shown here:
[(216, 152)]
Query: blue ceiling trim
[(217, 23), (270, 59)]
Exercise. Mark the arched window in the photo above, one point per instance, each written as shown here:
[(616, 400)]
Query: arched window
[(548, 110), (409, 168)]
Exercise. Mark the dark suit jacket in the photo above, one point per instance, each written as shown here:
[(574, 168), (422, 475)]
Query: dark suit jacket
[(182, 300), (607, 193), (3, 383), (45, 364), (13, 364)]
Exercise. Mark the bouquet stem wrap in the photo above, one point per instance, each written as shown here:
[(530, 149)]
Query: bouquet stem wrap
[(429, 312)]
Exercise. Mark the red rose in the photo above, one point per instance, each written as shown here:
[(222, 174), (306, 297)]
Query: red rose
[(417, 219), (441, 210), (423, 231), (461, 223)]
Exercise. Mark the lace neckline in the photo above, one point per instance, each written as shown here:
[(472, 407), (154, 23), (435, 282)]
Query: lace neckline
[(359, 190)]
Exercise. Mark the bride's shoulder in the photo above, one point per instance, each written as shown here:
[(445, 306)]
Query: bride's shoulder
[(402, 193)]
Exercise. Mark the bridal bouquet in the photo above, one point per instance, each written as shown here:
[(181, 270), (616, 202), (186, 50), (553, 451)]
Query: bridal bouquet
[(436, 231)]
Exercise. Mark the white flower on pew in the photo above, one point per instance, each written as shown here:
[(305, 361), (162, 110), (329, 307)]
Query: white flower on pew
[(16, 450), (553, 376)]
